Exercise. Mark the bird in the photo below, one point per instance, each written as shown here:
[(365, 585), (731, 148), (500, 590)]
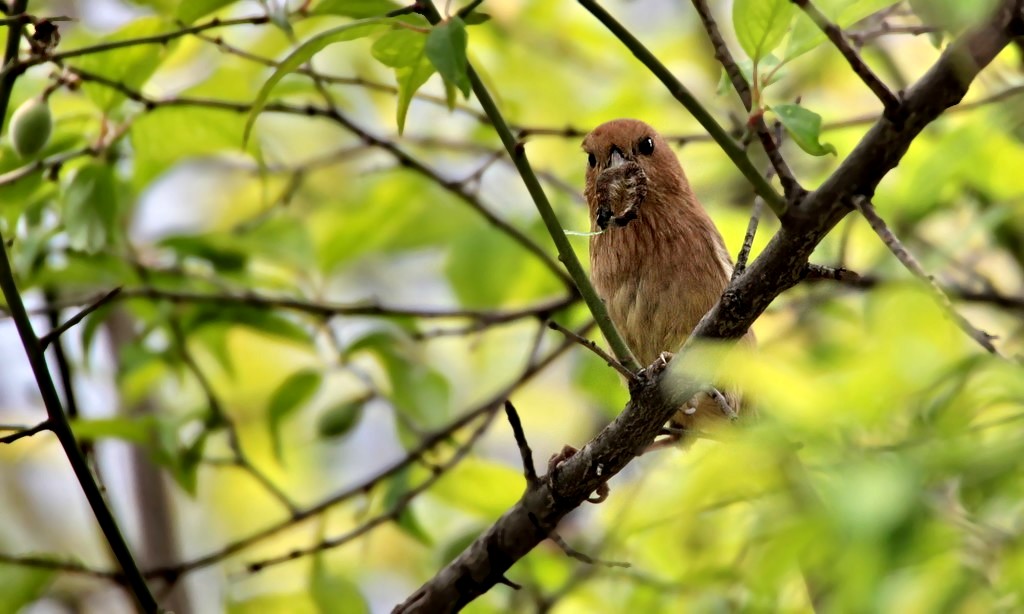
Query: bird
[(657, 260)]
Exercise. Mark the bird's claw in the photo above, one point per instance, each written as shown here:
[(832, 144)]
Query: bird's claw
[(558, 459)]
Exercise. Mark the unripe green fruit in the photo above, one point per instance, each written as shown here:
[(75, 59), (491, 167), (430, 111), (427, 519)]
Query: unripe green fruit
[(31, 125)]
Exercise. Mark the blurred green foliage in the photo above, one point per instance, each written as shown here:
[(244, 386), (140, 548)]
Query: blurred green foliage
[(882, 474)]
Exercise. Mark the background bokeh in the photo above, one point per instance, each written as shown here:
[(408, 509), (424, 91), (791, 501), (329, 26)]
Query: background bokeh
[(885, 465)]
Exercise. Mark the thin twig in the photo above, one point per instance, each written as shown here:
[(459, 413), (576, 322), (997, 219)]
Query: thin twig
[(219, 417), (748, 239), (584, 558), (26, 432), (595, 348), (863, 37), (911, 263), (816, 272), (51, 336), (328, 309), (890, 102), (392, 513), (529, 471)]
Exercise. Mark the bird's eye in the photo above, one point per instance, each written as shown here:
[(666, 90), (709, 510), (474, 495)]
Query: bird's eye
[(592, 160), (646, 146)]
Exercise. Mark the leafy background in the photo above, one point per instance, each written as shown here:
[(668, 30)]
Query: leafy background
[(244, 410)]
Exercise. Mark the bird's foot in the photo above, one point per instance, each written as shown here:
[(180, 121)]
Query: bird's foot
[(723, 404), (558, 459), (669, 437)]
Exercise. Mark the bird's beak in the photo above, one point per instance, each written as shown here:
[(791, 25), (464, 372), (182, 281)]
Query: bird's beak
[(616, 159)]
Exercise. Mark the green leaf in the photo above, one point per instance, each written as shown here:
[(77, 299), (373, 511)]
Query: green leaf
[(768, 73), (399, 47), (475, 18), (305, 51), (408, 213), (185, 465), (417, 390), (804, 126), (333, 592), (293, 392), (168, 136), (354, 8), (135, 430), (953, 15), (265, 321), (405, 51), (90, 208), (213, 248), (191, 10), (339, 419), (22, 585), (410, 79), (130, 66), (446, 49), (480, 486), (407, 520), (761, 24)]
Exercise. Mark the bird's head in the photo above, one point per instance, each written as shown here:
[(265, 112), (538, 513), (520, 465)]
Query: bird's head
[(629, 140)]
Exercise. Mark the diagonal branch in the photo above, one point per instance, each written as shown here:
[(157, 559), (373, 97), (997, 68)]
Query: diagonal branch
[(910, 262), (890, 102), (54, 334), (529, 471), (37, 360)]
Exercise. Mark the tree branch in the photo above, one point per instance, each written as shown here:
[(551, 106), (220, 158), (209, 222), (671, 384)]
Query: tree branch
[(25, 432), (910, 262), (54, 334), (890, 102), (34, 351), (529, 471)]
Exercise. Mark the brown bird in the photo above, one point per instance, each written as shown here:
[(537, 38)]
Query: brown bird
[(658, 262)]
